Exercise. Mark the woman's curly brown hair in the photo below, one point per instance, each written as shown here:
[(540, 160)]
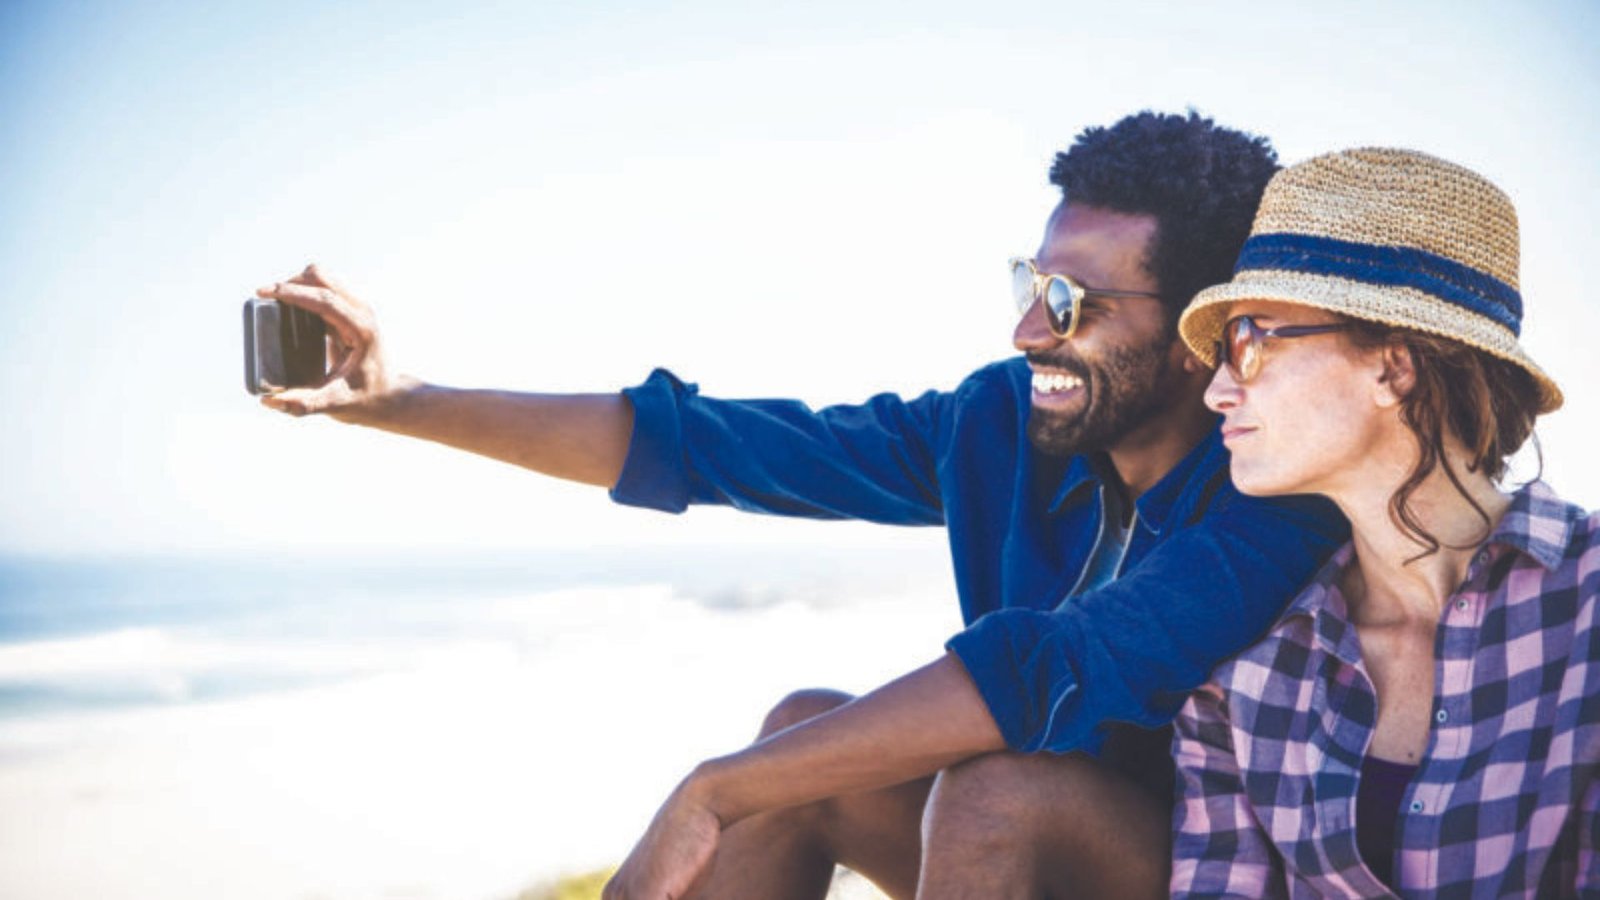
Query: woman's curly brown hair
[(1486, 403)]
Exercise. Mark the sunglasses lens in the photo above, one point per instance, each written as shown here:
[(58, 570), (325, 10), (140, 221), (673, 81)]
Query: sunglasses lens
[(1022, 285), (1058, 297), (1241, 349)]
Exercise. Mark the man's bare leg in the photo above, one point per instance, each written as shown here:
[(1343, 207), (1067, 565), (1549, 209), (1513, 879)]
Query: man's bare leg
[(1042, 826), (1005, 825), (789, 854)]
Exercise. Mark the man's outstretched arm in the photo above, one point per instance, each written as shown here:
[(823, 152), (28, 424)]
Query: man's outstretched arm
[(579, 437), (913, 726)]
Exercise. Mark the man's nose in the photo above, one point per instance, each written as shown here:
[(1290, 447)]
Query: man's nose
[(1033, 331)]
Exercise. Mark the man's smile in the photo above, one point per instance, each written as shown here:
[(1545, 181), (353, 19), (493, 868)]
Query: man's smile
[(1054, 387)]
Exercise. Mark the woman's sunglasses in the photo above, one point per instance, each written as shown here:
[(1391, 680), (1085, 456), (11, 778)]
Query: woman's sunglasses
[(1242, 340), (1062, 295)]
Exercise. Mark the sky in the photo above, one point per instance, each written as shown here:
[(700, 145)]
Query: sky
[(808, 201)]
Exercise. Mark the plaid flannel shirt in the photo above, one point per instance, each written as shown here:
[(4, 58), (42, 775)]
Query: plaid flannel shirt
[(1506, 802)]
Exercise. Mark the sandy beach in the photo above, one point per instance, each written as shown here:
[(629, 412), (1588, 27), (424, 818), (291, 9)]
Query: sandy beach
[(534, 741)]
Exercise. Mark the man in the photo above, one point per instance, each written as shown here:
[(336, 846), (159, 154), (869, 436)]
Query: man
[(1103, 561)]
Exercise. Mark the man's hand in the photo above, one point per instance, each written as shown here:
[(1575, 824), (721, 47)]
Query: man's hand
[(359, 385), (675, 851)]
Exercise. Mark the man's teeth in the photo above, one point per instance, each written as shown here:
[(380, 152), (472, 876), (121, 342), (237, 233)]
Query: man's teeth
[(1051, 383)]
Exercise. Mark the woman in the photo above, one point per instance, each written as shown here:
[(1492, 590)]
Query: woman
[(1424, 720)]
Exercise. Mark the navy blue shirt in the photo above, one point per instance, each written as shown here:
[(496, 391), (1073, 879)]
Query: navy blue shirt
[(1207, 569)]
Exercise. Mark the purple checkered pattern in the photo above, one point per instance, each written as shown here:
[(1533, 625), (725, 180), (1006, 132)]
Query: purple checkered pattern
[(1506, 802)]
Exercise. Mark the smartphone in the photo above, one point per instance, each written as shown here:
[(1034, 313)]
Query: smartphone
[(284, 346)]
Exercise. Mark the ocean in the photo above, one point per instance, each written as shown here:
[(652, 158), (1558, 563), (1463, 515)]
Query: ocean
[(419, 727)]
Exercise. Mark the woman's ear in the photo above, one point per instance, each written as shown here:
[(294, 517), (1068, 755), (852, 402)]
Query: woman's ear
[(1399, 374)]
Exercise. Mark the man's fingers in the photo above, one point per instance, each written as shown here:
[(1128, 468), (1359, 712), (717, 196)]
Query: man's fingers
[(320, 300), (291, 402), (336, 352), (345, 367), (314, 274), (331, 305), (300, 401)]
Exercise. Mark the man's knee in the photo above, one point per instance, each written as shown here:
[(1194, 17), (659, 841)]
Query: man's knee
[(1038, 792), (1063, 804), (998, 786), (800, 706), (1043, 825)]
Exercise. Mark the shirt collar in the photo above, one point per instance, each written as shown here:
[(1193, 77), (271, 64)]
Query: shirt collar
[(1323, 603), (1083, 474), (1318, 592), (1087, 471), (1538, 523), (1208, 457)]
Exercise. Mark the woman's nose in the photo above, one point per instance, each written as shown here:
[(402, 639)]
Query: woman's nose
[(1223, 393)]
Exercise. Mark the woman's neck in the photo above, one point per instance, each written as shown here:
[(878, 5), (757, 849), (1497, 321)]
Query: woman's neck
[(1391, 585)]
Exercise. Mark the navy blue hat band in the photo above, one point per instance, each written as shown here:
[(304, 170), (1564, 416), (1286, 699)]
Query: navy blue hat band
[(1444, 278)]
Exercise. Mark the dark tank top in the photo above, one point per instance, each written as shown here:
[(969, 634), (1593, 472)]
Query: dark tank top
[(1383, 785)]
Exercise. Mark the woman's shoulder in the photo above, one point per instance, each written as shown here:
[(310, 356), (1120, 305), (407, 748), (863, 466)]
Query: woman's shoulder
[(1276, 667)]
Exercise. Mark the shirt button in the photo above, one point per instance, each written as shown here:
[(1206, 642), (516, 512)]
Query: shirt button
[(1461, 605), (1441, 717), (1416, 806), (1483, 557)]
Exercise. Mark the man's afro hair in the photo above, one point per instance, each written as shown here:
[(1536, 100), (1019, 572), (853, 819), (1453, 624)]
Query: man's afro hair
[(1200, 181)]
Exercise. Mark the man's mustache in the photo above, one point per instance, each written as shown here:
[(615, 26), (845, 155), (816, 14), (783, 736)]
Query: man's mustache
[(1062, 361)]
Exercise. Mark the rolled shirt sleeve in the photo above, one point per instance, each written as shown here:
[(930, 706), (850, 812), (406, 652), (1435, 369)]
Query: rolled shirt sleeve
[(875, 461), (1132, 650)]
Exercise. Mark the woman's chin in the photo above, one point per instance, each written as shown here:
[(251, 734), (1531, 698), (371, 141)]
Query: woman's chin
[(1262, 481)]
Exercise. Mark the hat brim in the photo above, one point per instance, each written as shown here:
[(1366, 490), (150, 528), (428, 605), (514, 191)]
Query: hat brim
[(1202, 321)]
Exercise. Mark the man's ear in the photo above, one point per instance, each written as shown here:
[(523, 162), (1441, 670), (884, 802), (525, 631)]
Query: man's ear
[(1179, 354), (1193, 374), (1399, 374)]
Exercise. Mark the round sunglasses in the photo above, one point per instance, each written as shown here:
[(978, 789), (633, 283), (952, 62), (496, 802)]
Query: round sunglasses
[(1063, 295), (1242, 341)]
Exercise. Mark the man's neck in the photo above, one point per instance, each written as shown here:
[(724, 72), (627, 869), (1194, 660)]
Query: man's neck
[(1145, 455)]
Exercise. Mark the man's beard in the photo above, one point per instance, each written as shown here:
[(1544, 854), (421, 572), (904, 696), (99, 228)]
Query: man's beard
[(1123, 392)]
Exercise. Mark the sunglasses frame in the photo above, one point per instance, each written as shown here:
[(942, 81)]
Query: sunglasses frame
[(1076, 290), (1258, 340)]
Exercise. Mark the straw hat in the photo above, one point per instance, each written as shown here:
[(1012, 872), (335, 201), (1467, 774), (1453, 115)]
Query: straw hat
[(1391, 236)]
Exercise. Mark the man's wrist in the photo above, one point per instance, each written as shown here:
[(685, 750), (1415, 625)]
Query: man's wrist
[(708, 788), (390, 410)]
